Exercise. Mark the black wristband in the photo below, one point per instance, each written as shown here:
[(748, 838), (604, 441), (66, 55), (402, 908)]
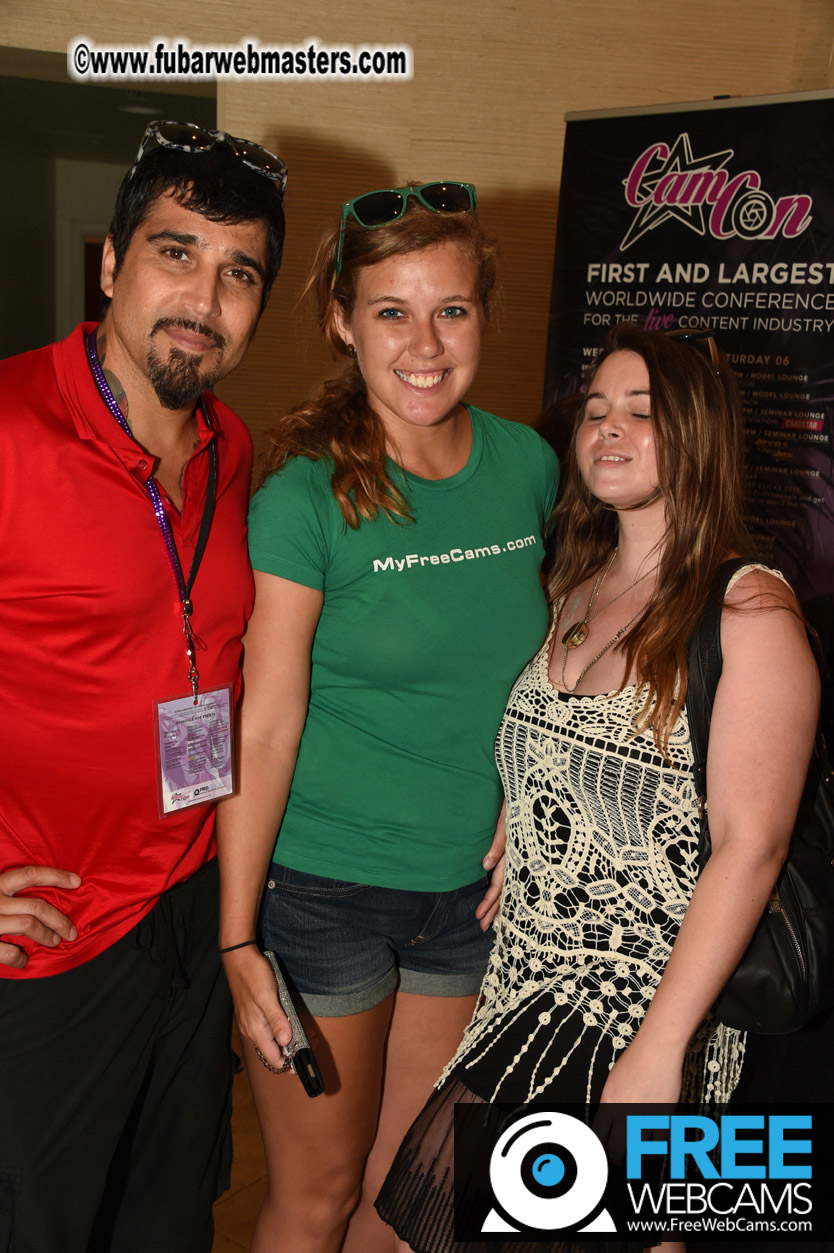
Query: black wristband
[(232, 947)]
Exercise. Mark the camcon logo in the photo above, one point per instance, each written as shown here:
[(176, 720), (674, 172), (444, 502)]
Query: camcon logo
[(671, 183)]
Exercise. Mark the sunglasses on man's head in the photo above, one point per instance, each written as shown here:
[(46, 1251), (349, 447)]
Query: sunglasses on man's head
[(187, 137), (697, 337), (379, 208)]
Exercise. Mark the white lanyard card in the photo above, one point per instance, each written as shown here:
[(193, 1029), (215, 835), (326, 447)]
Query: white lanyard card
[(194, 749)]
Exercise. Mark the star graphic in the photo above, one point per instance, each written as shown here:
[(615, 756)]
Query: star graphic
[(679, 161)]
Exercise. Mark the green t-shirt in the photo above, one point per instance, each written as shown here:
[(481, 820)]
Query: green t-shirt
[(424, 629)]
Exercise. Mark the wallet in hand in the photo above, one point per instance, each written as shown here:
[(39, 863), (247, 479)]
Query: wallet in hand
[(298, 1052)]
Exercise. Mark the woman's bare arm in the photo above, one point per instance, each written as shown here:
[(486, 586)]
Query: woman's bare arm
[(761, 737), (276, 675)]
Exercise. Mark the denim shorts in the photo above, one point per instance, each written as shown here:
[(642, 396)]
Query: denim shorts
[(347, 946)]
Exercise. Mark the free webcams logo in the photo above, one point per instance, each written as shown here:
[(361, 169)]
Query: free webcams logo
[(625, 1171), (548, 1172), (672, 183)]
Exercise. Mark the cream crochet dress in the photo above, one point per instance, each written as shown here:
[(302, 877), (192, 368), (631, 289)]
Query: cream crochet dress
[(602, 839)]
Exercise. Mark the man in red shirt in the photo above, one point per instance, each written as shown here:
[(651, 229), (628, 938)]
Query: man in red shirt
[(125, 590)]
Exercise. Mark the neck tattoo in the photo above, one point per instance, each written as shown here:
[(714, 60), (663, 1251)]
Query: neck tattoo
[(116, 389)]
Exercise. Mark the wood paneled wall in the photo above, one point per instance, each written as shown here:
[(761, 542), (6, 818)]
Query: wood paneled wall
[(491, 85)]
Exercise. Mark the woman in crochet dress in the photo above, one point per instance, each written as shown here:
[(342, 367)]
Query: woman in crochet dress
[(609, 950)]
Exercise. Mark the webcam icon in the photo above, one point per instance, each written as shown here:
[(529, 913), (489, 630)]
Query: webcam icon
[(548, 1172)]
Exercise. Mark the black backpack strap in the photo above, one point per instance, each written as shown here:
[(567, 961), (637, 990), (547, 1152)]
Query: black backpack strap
[(704, 663)]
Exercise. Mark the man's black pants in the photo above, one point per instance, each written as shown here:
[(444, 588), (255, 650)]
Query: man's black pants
[(115, 1091)]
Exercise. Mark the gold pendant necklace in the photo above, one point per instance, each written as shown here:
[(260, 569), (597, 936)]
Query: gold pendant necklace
[(601, 653), (578, 633)]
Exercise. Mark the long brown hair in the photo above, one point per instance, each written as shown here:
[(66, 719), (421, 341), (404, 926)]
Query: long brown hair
[(337, 422), (697, 424)]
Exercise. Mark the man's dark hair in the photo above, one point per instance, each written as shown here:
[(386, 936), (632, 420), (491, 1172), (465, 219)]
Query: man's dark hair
[(215, 184)]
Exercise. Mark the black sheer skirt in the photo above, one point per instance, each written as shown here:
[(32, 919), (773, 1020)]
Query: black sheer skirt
[(417, 1198)]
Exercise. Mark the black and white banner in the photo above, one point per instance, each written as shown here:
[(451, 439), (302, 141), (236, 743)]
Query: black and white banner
[(718, 215)]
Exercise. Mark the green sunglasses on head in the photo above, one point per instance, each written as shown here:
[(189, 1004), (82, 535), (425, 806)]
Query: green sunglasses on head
[(378, 208)]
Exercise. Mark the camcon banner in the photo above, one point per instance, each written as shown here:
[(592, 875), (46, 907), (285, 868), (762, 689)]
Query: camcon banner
[(718, 215)]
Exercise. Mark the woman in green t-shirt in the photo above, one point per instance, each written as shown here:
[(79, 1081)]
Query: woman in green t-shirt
[(397, 544)]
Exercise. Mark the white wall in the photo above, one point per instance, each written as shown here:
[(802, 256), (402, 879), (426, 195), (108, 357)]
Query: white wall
[(85, 192)]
